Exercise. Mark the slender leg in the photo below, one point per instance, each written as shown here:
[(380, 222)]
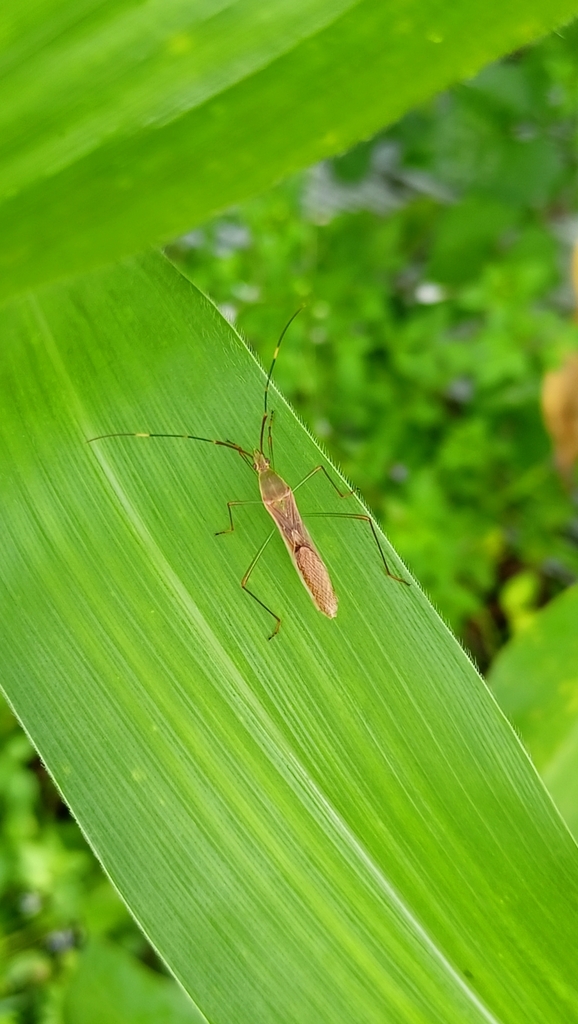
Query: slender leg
[(253, 563), (229, 509), (355, 515), (254, 596), (246, 456), (321, 469)]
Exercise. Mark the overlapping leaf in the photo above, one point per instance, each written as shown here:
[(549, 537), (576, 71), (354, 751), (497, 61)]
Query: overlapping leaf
[(535, 679), (123, 124)]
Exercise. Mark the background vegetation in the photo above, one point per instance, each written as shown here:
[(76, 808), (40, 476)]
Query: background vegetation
[(434, 264), (437, 255)]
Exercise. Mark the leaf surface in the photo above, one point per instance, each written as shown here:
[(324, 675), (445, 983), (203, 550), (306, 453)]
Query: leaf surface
[(336, 825), (535, 679), (123, 124), (111, 987)]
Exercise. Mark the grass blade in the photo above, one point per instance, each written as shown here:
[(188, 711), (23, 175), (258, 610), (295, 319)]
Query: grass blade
[(104, 106), (338, 825)]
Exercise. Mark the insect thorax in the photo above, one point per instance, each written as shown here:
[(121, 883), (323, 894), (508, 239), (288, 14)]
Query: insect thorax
[(273, 487)]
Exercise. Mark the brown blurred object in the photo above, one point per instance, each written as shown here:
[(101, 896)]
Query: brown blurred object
[(560, 400), (560, 412), (574, 276)]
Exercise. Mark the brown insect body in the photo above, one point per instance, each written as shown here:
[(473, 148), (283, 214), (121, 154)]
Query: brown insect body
[(280, 503)]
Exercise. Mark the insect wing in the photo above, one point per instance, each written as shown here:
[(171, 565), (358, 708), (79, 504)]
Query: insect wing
[(316, 578), (305, 557)]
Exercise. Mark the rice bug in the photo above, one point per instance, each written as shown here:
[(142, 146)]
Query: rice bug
[(278, 498)]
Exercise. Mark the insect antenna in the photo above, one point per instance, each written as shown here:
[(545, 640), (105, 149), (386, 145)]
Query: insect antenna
[(270, 438), (182, 437), (270, 374)]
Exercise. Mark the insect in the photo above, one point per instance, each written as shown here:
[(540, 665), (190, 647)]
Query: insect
[(279, 500)]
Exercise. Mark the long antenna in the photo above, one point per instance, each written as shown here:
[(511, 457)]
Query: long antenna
[(270, 374), (276, 353), (182, 437)]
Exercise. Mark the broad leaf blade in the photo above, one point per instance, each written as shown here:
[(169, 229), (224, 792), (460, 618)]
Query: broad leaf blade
[(535, 679), (336, 825), (110, 987), (106, 106)]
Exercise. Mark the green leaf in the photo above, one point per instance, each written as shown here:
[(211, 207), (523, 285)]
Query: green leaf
[(336, 825), (124, 124), (111, 987), (535, 679)]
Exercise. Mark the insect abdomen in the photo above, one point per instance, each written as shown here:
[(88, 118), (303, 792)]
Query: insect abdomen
[(316, 578)]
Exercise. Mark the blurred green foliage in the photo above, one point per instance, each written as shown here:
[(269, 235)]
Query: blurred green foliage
[(52, 889), (431, 262), (535, 679)]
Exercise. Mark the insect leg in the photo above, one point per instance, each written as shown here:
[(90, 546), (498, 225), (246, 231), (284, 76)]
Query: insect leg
[(254, 596), (367, 519), (321, 469), (232, 526)]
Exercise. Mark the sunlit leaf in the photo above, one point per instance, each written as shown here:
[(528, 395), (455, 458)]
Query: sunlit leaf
[(123, 124), (336, 825)]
